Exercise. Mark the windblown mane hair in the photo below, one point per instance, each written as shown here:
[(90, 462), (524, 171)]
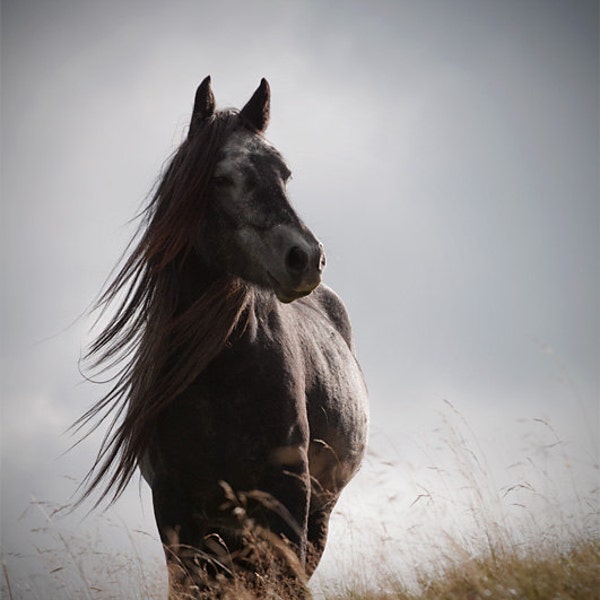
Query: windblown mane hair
[(165, 335)]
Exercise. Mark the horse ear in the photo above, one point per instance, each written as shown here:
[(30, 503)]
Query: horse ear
[(256, 111), (204, 105)]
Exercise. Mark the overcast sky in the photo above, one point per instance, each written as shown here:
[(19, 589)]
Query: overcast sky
[(444, 151)]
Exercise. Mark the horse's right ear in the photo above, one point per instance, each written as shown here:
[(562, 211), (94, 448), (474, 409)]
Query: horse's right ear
[(204, 105)]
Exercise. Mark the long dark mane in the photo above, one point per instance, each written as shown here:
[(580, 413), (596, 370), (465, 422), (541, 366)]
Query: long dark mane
[(165, 333)]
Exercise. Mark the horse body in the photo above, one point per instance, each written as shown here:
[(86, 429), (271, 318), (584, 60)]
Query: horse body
[(270, 413), (245, 407)]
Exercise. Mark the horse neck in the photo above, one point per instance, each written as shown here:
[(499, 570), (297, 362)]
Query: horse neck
[(210, 301), (194, 278)]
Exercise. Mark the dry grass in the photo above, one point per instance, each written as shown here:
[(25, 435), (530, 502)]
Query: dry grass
[(516, 541), (490, 557), (535, 574), (572, 574)]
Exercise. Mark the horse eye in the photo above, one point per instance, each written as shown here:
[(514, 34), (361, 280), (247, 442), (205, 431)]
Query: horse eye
[(222, 181)]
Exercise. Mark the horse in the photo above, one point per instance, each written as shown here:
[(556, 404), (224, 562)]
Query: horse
[(238, 394)]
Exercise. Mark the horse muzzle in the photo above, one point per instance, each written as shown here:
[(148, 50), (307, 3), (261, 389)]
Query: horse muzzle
[(298, 265)]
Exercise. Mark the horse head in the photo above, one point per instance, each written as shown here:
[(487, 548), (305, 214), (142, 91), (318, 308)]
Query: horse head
[(251, 229)]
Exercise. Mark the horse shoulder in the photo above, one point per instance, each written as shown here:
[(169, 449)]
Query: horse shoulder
[(333, 307)]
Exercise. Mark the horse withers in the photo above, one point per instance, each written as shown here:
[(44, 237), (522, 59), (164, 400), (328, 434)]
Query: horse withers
[(239, 397)]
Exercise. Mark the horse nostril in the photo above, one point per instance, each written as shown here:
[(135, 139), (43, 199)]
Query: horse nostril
[(322, 261), (296, 260)]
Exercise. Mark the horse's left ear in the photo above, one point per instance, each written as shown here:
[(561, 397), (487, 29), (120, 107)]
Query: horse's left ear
[(256, 111), (204, 105)]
